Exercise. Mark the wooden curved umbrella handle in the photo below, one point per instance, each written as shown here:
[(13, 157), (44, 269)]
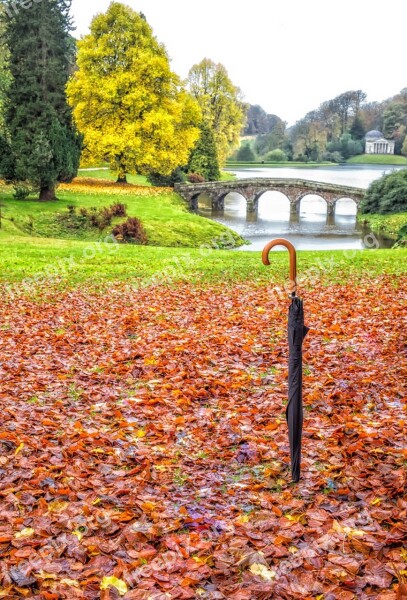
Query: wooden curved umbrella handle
[(293, 259)]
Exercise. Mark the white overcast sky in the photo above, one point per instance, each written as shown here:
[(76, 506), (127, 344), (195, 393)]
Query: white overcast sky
[(286, 55)]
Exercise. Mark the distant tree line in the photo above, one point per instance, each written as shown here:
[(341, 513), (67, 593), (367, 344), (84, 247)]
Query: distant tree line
[(333, 132)]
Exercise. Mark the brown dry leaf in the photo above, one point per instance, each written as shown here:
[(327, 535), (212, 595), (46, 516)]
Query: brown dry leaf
[(148, 443)]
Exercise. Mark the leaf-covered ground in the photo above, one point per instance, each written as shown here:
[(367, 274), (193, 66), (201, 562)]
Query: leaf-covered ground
[(144, 450)]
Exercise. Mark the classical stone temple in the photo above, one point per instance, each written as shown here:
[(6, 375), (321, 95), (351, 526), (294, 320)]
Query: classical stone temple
[(376, 143)]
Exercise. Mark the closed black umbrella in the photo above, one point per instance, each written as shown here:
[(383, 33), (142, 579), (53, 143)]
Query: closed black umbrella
[(296, 334)]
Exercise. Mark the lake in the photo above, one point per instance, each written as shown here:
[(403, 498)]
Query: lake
[(312, 229)]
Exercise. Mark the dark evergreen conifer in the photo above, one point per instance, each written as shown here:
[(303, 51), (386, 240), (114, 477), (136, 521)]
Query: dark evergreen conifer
[(357, 130), (204, 157), (44, 145)]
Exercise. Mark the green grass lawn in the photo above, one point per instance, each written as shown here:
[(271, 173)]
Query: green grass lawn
[(34, 244), (105, 173), (378, 159), (164, 215), (73, 262), (225, 176)]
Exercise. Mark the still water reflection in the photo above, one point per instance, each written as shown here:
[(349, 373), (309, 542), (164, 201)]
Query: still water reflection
[(311, 229)]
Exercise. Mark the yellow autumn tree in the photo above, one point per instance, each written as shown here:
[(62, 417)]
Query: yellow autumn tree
[(127, 102), (221, 102)]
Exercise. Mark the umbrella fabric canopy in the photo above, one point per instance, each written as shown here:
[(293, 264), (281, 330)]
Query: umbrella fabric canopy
[(296, 334), (294, 412)]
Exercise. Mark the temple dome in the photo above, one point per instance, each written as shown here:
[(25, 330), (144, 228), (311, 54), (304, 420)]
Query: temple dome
[(374, 135)]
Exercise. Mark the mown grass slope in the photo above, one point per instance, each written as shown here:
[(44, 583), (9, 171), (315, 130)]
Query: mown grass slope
[(164, 215)]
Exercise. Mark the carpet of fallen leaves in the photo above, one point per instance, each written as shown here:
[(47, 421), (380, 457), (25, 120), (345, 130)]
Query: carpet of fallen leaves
[(144, 450), (92, 187)]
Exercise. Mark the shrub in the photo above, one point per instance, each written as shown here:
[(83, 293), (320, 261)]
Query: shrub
[(335, 157), (245, 153), (118, 209), (21, 191), (99, 218), (300, 158), (130, 231), (93, 217), (103, 218), (177, 176), (387, 194), (276, 155), (195, 178)]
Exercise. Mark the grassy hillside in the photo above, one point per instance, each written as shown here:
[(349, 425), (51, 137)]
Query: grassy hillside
[(165, 217), (377, 159)]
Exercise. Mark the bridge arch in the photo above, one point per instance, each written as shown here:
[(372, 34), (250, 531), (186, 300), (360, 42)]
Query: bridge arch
[(283, 200), (310, 193), (327, 202), (271, 189), (346, 206), (218, 200)]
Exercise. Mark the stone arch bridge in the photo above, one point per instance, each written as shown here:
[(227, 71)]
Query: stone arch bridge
[(253, 189)]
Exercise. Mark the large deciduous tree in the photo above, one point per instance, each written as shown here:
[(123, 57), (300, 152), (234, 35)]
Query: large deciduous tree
[(395, 124), (372, 115), (394, 117), (221, 103), (346, 104), (309, 136), (43, 144), (128, 103), (258, 122), (274, 139)]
